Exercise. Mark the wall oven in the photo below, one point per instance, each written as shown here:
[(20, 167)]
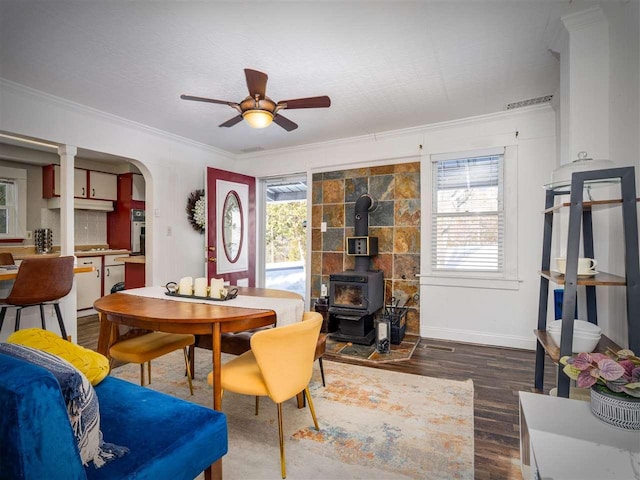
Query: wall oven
[(137, 231)]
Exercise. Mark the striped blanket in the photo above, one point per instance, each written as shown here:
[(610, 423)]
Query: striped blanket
[(81, 400)]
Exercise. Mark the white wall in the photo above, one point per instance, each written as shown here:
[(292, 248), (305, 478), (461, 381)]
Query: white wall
[(599, 52), (624, 132), (481, 314), (172, 167)]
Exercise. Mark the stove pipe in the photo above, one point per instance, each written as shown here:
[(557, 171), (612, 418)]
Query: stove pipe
[(364, 205)]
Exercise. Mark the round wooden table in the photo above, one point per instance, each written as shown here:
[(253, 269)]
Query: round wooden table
[(183, 317)]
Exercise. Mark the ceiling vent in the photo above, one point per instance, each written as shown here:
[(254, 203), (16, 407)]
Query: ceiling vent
[(252, 150), (531, 101)]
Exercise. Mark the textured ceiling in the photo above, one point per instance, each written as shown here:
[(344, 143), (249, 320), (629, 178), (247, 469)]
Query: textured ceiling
[(385, 65)]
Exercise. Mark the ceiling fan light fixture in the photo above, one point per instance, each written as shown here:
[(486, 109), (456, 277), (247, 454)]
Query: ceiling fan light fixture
[(258, 118)]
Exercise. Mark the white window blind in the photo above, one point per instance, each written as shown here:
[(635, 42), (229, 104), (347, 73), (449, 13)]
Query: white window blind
[(468, 212), (7, 206)]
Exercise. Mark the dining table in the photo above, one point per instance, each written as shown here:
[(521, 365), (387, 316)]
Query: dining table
[(198, 318)]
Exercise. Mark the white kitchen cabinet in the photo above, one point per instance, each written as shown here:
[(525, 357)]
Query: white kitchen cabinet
[(79, 182), (113, 272), (89, 284), (138, 187), (86, 183), (103, 186)]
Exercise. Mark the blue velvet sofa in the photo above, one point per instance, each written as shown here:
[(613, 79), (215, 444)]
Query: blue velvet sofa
[(168, 438)]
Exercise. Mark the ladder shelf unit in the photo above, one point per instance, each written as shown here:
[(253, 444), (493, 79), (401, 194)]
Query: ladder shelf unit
[(580, 221)]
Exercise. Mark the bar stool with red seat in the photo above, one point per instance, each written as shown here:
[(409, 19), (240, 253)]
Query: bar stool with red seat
[(40, 281)]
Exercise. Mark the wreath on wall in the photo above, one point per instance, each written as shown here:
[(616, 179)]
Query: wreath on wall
[(196, 210)]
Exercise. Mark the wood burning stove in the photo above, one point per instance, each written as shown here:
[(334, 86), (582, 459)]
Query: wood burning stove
[(356, 295), (353, 292), (354, 298)]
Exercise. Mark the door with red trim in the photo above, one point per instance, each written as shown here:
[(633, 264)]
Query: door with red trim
[(231, 227)]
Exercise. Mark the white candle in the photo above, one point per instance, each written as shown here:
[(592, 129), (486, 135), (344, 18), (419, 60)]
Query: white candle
[(217, 284), (200, 287), (185, 287)]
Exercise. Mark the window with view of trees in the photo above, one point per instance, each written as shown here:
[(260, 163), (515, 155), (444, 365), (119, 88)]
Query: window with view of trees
[(285, 234), (468, 214)]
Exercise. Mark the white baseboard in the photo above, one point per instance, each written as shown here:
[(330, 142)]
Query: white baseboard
[(471, 336)]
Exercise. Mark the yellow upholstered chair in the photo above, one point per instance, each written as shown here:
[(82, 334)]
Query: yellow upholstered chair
[(279, 366), (148, 346)]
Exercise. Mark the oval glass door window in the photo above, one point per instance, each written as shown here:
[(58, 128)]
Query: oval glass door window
[(232, 226)]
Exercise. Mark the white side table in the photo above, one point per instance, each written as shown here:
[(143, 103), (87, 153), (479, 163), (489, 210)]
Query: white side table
[(561, 439)]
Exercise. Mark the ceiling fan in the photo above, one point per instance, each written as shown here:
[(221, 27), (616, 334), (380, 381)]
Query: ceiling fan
[(259, 110)]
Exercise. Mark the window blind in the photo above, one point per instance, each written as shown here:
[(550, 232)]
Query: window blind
[(7, 205), (468, 214)]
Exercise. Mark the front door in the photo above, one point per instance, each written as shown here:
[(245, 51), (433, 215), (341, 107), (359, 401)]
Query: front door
[(231, 227)]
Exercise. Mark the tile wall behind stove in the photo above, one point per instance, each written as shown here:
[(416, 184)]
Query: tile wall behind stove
[(396, 223)]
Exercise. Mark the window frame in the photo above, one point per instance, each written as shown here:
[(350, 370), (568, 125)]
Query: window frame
[(497, 176), (508, 278), (17, 213)]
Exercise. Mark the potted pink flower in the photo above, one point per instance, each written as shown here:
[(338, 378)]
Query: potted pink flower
[(614, 380)]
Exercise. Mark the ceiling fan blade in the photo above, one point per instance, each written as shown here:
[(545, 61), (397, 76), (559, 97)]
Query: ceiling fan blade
[(208, 100), (285, 123), (232, 121), (311, 102), (256, 82)]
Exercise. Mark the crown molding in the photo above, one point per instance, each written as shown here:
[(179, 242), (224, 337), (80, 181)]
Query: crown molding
[(372, 137), (418, 130), (583, 19), (83, 109), (553, 34)]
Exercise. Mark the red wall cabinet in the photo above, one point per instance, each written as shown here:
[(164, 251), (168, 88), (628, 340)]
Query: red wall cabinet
[(119, 221)]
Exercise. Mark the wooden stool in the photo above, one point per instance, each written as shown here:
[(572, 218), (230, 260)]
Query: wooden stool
[(146, 347)]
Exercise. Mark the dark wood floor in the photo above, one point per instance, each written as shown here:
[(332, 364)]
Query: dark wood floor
[(498, 375)]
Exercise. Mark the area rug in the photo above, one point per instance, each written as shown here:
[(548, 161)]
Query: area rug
[(374, 424), (367, 354)]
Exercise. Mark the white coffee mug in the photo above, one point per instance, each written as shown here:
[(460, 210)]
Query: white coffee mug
[(585, 265)]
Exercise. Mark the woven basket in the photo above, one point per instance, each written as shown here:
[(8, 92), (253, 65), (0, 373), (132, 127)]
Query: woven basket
[(616, 411)]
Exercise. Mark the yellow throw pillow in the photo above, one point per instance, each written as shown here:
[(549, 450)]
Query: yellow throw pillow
[(93, 365)]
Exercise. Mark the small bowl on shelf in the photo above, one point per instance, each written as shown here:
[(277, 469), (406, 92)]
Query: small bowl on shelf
[(582, 341), (578, 326)]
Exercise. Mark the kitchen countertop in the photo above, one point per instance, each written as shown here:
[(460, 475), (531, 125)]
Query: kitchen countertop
[(77, 253), (94, 253), (133, 259)]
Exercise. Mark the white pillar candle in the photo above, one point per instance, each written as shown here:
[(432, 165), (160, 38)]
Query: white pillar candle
[(185, 287), (200, 287), (217, 284)]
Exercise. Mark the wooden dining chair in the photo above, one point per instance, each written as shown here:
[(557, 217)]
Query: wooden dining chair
[(149, 346), (40, 281), (279, 366)]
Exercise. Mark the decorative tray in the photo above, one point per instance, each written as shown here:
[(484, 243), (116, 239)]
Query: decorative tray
[(172, 291)]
